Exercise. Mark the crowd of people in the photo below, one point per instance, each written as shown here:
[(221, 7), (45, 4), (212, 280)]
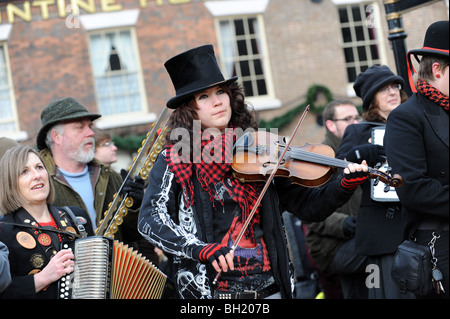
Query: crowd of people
[(224, 238)]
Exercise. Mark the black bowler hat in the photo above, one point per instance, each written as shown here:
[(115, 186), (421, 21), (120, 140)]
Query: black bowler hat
[(436, 40), (436, 43), (370, 81), (193, 71)]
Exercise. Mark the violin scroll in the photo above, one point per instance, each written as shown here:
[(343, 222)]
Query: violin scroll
[(394, 181)]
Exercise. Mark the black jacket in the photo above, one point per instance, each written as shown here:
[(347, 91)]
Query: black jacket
[(178, 230), (25, 262), (417, 145), (378, 226)]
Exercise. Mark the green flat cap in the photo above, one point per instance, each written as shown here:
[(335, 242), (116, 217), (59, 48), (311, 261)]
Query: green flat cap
[(66, 109)]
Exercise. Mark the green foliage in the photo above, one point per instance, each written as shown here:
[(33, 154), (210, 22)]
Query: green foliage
[(311, 97)]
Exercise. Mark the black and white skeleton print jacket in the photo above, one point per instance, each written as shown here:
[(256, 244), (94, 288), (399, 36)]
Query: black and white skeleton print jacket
[(178, 230)]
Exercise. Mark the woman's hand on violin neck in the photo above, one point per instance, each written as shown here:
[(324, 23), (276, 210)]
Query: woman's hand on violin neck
[(355, 175)]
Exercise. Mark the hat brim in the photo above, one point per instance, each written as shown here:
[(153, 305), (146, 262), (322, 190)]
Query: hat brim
[(432, 52), (374, 89), (40, 139), (174, 102)]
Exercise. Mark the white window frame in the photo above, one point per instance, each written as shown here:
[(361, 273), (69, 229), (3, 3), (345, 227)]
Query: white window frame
[(377, 26), (16, 133), (102, 23), (231, 10)]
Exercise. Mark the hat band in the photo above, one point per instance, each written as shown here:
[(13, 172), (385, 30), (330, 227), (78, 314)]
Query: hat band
[(434, 49)]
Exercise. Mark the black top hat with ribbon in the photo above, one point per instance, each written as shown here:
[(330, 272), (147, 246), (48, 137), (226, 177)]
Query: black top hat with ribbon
[(436, 43), (193, 71)]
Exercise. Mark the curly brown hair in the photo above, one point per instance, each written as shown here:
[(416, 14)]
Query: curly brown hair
[(242, 115)]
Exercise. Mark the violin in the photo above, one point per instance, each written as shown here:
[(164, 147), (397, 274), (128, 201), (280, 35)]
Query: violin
[(260, 156), (312, 165)]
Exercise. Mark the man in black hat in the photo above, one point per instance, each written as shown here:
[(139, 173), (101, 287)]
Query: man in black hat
[(67, 145), (417, 145)]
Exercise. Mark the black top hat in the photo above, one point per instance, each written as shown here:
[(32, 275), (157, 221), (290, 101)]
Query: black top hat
[(193, 71), (370, 81), (66, 109), (436, 40)]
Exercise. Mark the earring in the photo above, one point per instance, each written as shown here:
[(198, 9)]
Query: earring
[(438, 76)]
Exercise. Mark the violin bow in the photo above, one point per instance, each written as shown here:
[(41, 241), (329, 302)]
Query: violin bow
[(266, 186)]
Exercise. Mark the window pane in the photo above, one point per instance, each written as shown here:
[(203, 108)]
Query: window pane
[(362, 54), (242, 55), (262, 89), (251, 24), (346, 35), (7, 120), (242, 47), (351, 73), (360, 44), (239, 27), (245, 68), (114, 62), (359, 33), (343, 15), (248, 88), (348, 52), (258, 67), (374, 52), (255, 49), (356, 14)]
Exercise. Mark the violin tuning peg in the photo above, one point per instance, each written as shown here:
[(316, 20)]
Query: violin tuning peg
[(387, 188), (376, 181), (378, 165)]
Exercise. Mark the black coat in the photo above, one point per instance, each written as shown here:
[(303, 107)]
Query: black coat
[(378, 227), (416, 142), (25, 262), (166, 223)]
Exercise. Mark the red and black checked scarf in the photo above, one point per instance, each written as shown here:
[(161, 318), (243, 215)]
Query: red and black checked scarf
[(433, 94), (211, 170)]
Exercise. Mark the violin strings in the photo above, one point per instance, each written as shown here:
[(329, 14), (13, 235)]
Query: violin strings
[(318, 158)]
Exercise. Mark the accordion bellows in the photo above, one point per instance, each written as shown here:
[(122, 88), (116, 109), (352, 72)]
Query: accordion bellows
[(107, 269)]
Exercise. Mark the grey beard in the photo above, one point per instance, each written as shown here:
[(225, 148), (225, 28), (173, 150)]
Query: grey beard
[(82, 156)]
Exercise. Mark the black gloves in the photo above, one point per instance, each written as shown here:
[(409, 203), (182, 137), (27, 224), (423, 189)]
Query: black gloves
[(134, 188), (211, 252), (349, 226), (372, 153), (353, 180)]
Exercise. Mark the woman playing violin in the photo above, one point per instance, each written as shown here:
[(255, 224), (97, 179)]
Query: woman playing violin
[(194, 209)]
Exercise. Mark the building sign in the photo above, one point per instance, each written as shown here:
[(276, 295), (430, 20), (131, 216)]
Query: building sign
[(66, 8)]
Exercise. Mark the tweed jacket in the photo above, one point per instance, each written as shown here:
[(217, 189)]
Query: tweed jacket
[(178, 230), (27, 259), (417, 145), (106, 183)]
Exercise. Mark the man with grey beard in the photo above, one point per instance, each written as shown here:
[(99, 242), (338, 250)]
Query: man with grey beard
[(67, 145)]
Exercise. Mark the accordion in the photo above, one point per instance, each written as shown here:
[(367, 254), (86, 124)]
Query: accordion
[(108, 269)]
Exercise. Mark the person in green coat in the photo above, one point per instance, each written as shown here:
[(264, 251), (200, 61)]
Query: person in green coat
[(67, 146)]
